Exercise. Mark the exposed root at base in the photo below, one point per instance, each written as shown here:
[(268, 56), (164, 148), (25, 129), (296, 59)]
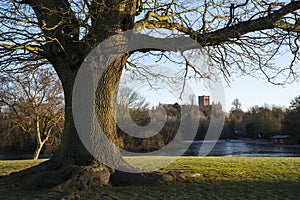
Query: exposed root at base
[(84, 177), (126, 179), (79, 177)]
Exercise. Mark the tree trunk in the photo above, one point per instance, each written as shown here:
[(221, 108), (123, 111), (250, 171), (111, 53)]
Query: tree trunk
[(38, 150), (71, 150)]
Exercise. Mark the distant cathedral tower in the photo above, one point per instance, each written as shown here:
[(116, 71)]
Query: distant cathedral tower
[(203, 101)]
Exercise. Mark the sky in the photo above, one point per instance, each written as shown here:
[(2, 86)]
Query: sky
[(249, 90)]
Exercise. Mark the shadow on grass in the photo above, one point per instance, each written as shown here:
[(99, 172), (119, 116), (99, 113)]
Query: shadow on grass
[(215, 178), (189, 189)]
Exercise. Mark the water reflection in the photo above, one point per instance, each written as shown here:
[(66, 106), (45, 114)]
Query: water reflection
[(243, 148)]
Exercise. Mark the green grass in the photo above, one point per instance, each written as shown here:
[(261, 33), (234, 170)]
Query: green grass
[(234, 168), (9, 166), (215, 178)]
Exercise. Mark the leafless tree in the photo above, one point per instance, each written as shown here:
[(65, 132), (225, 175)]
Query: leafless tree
[(241, 37), (131, 105), (34, 103), (236, 105)]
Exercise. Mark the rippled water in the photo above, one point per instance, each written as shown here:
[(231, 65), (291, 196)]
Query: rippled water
[(242, 148), (214, 148)]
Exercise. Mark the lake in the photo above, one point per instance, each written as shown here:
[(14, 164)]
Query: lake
[(243, 148), (221, 148), (21, 156)]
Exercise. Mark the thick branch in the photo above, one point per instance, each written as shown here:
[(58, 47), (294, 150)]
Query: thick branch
[(24, 47), (110, 18), (236, 31), (287, 26), (57, 21), (228, 33)]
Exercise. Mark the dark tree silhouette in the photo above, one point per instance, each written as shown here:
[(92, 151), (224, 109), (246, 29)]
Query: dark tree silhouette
[(291, 122)]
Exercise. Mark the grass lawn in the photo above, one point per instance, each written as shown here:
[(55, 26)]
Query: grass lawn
[(214, 178)]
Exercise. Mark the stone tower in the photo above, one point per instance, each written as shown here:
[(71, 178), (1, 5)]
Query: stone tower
[(203, 101)]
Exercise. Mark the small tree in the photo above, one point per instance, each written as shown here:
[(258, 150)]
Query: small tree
[(236, 105), (236, 116), (292, 121), (132, 111), (34, 102), (132, 105)]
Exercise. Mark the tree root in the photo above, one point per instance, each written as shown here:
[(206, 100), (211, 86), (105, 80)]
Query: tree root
[(84, 177), (126, 179), (44, 176), (87, 176)]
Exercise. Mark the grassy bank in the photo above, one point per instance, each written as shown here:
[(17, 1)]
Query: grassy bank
[(9, 166), (213, 178)]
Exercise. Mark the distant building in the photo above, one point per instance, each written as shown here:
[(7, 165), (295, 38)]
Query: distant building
[(204, 101), (280, 139)]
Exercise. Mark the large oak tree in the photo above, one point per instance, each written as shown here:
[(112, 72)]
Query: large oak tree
[(241, 37)]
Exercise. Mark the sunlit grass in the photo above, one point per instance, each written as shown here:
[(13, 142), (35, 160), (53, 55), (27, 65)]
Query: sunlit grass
[(216, 178), (9, 166), (229, 168)]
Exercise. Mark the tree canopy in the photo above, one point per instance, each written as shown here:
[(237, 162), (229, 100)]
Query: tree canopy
[(241, 37)]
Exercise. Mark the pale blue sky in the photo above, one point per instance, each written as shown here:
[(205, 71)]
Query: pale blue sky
[(250, 91)]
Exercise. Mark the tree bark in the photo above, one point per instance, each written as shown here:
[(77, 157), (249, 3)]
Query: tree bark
[(71, 150)]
